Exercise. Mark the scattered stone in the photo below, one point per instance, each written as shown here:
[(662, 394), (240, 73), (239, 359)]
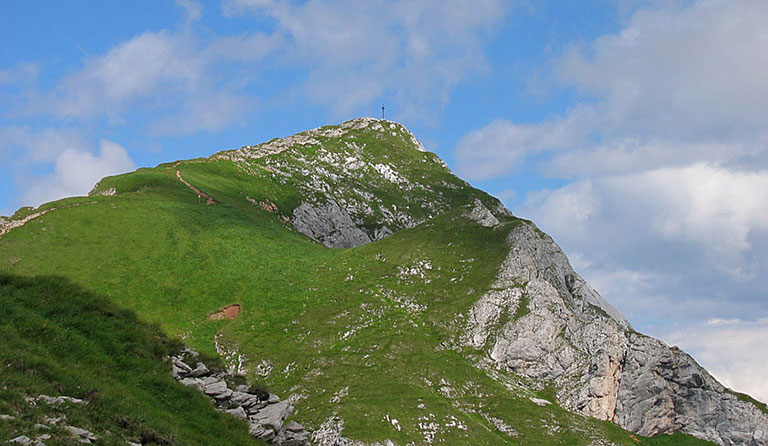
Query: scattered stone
[(200, 370), (293, 426), (540, 402), (266, 418), (22, 440), (216, 388), (7, 417), (182, 366), (193, 382), (82, 435), (273, 415), (238, 412)]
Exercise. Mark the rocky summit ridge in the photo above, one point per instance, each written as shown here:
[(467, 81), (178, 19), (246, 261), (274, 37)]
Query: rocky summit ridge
[(436, 316)]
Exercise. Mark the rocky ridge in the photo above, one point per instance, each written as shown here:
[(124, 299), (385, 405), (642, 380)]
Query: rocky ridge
[(334, 168), (265, 413), (560, 330)]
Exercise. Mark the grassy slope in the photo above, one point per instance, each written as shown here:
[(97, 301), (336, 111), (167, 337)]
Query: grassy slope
[(59, 339), (354, 323)]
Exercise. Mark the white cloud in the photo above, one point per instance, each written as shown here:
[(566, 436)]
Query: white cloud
[(733, 351), (501, 145), (682, 83), (151, 65), (29, 146), (171, 77), (76, 171), (704, 209), (691, 70), (415, 51)]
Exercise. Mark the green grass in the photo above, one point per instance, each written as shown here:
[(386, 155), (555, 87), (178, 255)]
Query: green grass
[(363, 334), (59, 339)]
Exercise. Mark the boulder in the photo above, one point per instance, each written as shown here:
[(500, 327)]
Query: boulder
[(237, 412), (273, 415)]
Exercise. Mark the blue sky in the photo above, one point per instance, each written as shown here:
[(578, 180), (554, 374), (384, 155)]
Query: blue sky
[(632, 131)]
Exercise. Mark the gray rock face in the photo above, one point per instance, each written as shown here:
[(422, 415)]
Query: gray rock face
[(561, 330), (328, 224), (266, 419), (664, 390), (480, 214)]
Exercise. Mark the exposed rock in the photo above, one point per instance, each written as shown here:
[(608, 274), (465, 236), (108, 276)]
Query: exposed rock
[(480, 214), (22, 440), (6, 224), (216, 388), (238, 412), (560, 330), (381, 233), (200, 370), (54, 400), (273, 415), (540, 402), (193, 382), (266, 418), (82, 435), (328, 224)]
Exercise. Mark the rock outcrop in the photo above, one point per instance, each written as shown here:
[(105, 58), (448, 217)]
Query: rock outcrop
[(353, 189), (264, 412), (558, 329), (328, 224)]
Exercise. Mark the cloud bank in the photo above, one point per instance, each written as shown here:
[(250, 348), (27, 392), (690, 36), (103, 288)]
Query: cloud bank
[(664, 206)]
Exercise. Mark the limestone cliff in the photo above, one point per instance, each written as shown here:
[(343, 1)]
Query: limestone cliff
[(560, 330)]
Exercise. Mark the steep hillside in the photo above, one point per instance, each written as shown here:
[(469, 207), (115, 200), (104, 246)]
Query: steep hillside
[(443, 318), (73, 363)]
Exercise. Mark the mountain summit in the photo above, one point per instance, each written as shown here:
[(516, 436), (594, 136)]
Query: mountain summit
[(348, 270)]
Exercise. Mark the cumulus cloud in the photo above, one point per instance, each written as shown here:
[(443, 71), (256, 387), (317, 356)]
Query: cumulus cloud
[(414, 52), (701, 215), (501, 145), (76, 171), (665, 161), (168, 76), (691, 70), (678, 84)]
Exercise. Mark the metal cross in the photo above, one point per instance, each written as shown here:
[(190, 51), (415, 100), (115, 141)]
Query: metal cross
[(382, 112)]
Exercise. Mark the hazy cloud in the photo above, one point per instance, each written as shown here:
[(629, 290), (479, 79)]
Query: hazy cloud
[(192, 9), (415, 51), (732, 350)]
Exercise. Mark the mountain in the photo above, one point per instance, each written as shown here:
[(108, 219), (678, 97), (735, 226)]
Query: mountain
[(353, 274)]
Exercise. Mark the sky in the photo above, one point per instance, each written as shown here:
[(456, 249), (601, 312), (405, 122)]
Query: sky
[(634, 132)]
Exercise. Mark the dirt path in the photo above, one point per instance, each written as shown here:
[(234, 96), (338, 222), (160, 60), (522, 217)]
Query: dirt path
[(208, 199)]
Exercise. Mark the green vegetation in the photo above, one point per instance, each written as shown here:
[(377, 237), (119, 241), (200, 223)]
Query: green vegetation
[(362, 334), (522, 308), (59, 339)]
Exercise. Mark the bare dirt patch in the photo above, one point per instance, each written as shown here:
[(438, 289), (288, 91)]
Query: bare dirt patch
[(228, 312)]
